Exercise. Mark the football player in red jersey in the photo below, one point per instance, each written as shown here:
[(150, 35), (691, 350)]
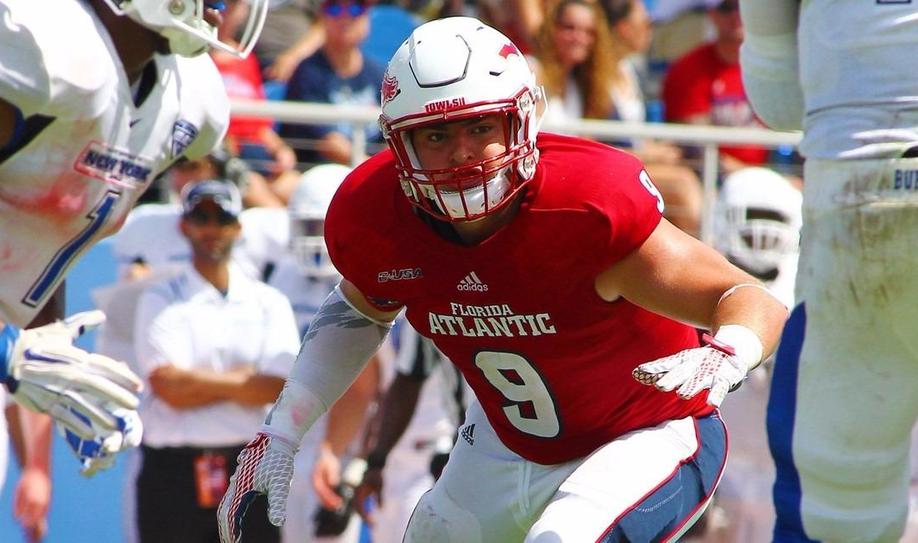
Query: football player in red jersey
[(542, 267)]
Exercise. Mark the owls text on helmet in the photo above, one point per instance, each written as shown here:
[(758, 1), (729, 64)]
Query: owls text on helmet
[(452, 69), (182, 23)]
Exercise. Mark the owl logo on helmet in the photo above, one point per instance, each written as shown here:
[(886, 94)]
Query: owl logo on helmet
[(307, 208), (183, 24), (389, 88), (453, 69), (757, 224)]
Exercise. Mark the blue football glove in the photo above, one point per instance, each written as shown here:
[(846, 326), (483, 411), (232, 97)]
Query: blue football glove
[(99, 453)]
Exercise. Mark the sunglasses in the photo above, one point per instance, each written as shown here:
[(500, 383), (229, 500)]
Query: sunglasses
[(200, 217), (335, 9)]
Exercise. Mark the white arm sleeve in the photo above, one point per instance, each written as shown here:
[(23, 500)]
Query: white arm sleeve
[(768, 60), (335, 349)]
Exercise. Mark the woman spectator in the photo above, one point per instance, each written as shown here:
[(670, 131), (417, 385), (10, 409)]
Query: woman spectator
[(585, 65)]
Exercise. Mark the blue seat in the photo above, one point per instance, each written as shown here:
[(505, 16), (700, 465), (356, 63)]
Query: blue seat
[(389, 27)]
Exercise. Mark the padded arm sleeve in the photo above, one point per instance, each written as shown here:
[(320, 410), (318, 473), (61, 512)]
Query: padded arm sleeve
[(336, 347), (768, 58)]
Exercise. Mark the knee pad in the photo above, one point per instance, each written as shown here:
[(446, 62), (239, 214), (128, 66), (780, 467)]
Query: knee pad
[(439, 518)]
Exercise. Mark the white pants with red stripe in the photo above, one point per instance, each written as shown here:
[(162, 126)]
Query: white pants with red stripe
[(649, 485)]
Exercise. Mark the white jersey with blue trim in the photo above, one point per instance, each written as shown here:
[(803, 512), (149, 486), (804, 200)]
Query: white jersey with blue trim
[(84, 152), (856, 53)]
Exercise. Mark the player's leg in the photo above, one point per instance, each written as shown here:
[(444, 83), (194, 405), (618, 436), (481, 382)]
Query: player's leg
[(407, 478), (486, 494), (649, 485), (843, 396)]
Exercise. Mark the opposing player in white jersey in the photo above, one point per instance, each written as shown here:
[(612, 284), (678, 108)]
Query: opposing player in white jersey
[(305, 274), (757, 227), (97, 97), (843, 398)]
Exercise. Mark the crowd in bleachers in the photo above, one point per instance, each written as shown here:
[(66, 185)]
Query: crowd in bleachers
[(624, 60)]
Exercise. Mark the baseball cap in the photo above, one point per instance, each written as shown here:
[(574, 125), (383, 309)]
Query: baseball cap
[(224, 194)]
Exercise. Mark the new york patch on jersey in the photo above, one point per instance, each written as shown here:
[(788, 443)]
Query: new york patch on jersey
[(112, 165)]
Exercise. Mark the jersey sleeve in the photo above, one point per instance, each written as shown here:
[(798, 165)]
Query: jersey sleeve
[(631, 208), (355, 236), (204, 100), (41, 74)]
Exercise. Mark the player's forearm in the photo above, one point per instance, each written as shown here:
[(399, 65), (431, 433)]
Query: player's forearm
[(36, 434), (395, 415), (256, 390), (187, 389), (336, 347), (347, 415), (755, 309)]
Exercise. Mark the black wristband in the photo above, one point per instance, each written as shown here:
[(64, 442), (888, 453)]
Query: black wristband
[(376, 460)]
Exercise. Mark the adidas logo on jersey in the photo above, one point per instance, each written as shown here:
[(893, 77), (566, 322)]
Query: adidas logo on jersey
[(471, 282), (468, 434)]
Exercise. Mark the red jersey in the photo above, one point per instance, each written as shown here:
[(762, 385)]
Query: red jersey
[(549, 360), (701, 83)]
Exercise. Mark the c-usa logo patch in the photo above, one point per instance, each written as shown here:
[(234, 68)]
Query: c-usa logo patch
[(183, 133)]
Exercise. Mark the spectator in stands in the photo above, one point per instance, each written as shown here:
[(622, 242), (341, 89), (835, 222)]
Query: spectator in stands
[(213, 346), (253, 139), (519, 20), (287, 22), (705, 87), (679, 27), (585, 65), (338, 73)]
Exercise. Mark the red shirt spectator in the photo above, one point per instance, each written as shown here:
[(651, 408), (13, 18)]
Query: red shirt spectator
[(704, 86), (242, 79)]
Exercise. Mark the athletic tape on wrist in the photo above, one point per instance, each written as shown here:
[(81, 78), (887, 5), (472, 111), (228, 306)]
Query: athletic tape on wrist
[(745, 343), (8, 336)]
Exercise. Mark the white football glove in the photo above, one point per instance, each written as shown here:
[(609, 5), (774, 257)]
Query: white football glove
[(46, 373), (265, 467), (714, 366), (99, 454)]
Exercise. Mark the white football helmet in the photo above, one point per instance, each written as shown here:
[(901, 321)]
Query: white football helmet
[(182, 23), (307, 208), (452, 69), (757, 222)]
